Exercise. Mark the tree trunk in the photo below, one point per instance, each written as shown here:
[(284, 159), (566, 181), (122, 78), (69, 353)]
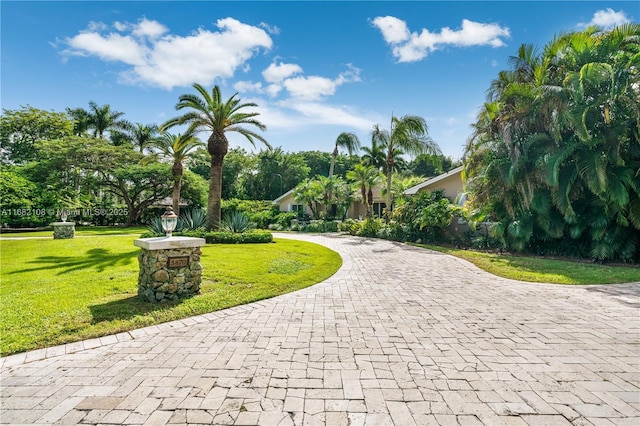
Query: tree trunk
[(214, 203), (177, 184), (177, 170), (218, 146)]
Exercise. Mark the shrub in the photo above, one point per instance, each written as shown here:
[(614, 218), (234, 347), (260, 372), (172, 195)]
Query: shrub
[(236, 222), (217, 237), (283, 219), (370, 227), (350, 226), (319, 226)]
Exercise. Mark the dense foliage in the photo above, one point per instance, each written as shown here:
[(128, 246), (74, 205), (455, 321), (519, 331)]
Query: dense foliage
[(555, 156)]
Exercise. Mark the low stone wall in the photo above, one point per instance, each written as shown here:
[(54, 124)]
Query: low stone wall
[(63, 230), (158, 281)]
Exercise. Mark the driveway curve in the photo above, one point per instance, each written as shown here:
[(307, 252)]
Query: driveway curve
[(398, 336)]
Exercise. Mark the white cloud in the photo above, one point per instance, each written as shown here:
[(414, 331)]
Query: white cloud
[(151, 29), (393, 30), (248, 86), (270, 29), (315, 87), (411, 47), (275, 73), (166, 60), (607, 19)]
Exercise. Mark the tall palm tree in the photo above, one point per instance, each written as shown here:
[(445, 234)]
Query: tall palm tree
[(348, 141), (177, 149), (210, 113), (103, 118), (408, 134)]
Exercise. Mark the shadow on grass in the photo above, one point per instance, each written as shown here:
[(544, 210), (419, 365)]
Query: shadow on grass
[(125, 309), (97, 259)]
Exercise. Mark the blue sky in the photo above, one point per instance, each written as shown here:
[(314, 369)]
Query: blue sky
[(315, 69)]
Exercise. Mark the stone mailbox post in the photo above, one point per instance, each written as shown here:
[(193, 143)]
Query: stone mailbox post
[(169, 267), (63, 230)]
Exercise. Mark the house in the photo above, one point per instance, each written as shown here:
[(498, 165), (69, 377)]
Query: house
[(287, 203), (450, 182)]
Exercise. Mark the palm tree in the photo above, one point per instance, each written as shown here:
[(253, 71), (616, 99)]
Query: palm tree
[(81, 120), (102, 119), (209, 112), (309, 192), (374, 156), (365, 177), (348, 141), (177, 149), (143, 135), (408, 134)]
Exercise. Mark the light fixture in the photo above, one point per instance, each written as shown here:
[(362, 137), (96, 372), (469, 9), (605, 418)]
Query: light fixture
[(169, 221)]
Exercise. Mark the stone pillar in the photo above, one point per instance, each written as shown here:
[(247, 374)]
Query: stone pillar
[(169, 267), (63, 230)]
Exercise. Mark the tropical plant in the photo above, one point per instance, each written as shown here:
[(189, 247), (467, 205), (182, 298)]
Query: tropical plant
[(555, 153), (309, 193), (209, 112), (407, 135), (236, 222), (365, 178), (177, 149), (346, 140), (102, 119)]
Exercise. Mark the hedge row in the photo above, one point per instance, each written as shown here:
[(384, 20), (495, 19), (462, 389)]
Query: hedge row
[(250, 237)]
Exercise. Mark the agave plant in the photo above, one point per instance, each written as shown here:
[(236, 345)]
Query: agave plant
[(236, 222), (192, 220), (154, 226)]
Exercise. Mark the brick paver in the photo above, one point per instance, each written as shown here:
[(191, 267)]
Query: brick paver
[(399, 336)]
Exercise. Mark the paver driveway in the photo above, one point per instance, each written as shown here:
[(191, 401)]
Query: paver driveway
[(399, 336)]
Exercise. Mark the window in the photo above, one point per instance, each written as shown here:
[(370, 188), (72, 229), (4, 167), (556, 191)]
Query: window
[(297, 207), (378, 209)]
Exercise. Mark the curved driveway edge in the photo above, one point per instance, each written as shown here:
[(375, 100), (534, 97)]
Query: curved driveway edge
[(398, 336)]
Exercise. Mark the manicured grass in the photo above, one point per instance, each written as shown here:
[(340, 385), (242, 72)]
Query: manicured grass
[(81, 231), (60, 291), (544, 270)]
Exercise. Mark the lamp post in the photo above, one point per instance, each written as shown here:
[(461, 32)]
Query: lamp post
[(280, 176), (169, 221)]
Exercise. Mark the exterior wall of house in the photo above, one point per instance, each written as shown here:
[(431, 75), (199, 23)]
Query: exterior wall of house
[(356, 210), (452, 186)]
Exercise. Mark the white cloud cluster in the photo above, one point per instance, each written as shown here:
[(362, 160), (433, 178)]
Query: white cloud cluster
[(289, 77), (607, 19), (158, 58), (412, 46)]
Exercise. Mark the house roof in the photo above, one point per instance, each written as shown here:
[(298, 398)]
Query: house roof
[(430, 182), (282, 197)]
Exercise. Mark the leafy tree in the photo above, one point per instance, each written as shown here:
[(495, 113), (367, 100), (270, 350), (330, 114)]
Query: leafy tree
[(21, 129), (209, 112), (276, 171), (116, 170), (177, 149), (555, 153), (407, 135)]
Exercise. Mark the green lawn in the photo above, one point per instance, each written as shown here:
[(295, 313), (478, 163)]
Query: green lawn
[(81, 231), (544, 270), (60, 291)]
